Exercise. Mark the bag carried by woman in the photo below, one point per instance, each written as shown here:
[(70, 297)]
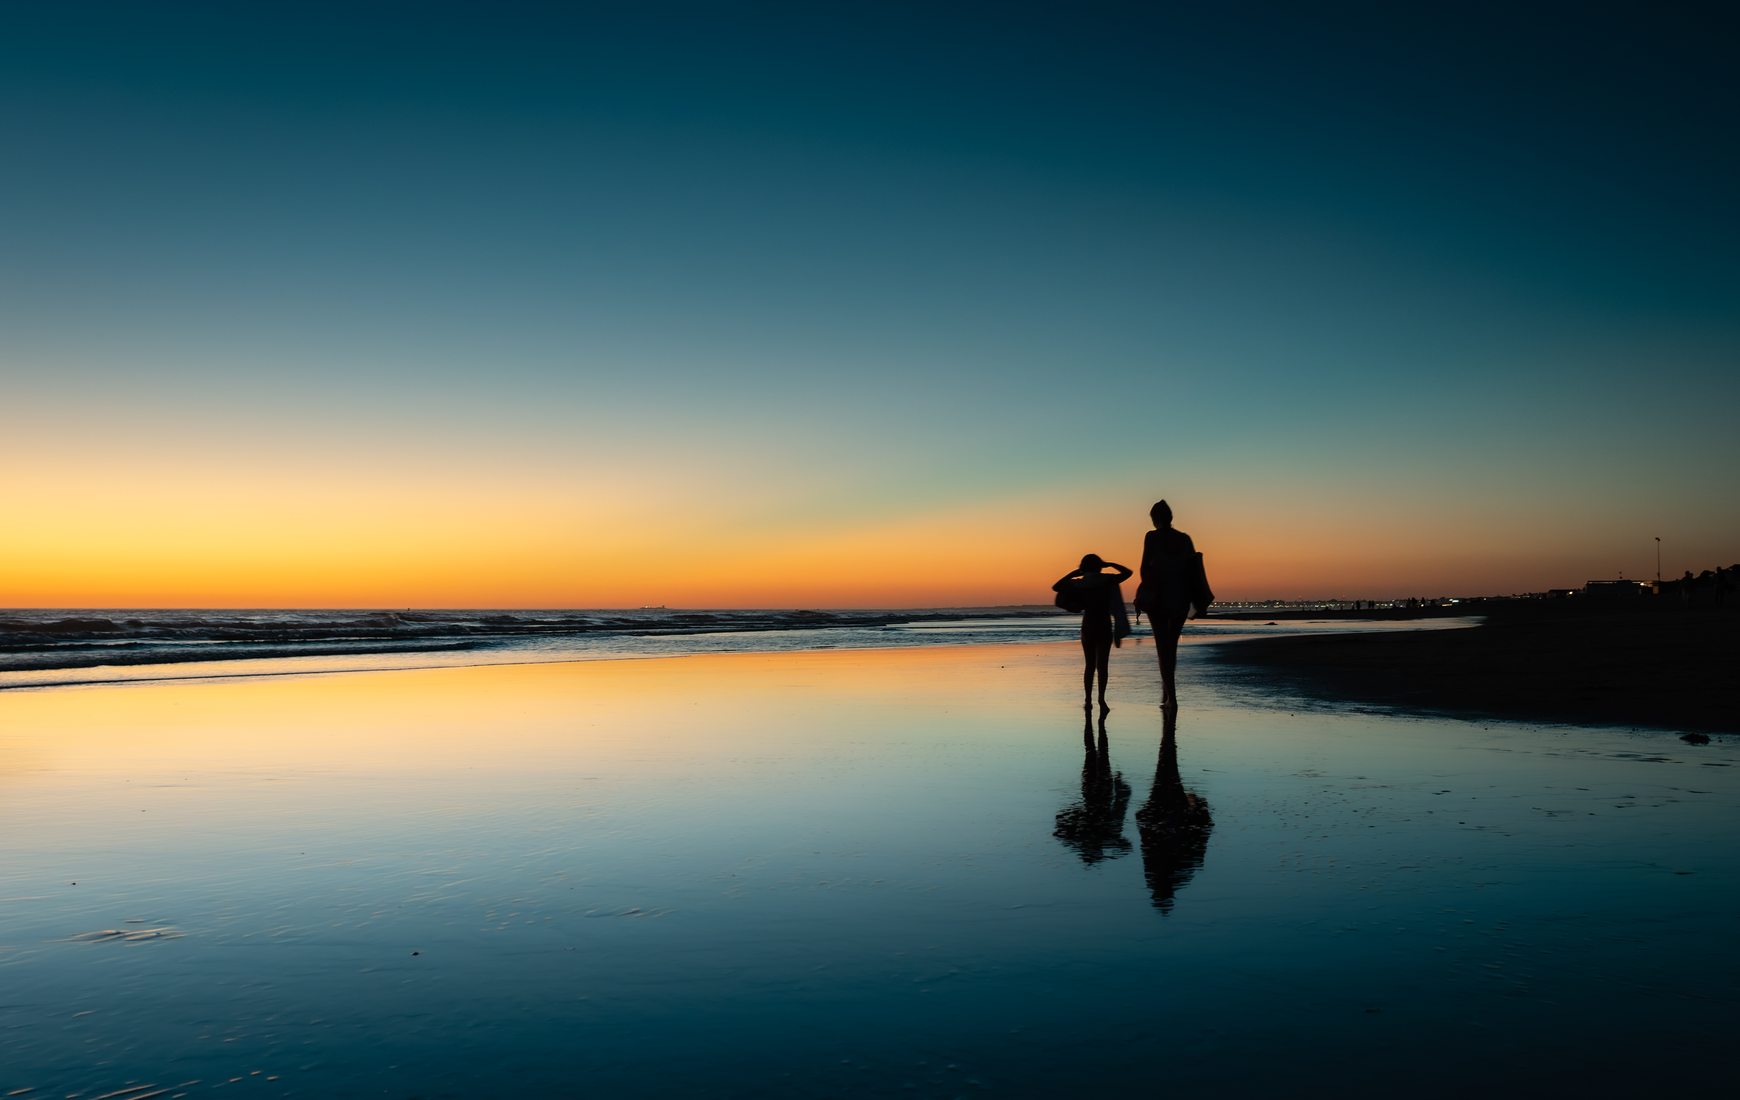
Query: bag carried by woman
[(1201, 595)]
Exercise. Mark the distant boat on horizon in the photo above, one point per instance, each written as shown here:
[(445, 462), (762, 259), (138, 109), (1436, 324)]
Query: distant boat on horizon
[(652, 607)]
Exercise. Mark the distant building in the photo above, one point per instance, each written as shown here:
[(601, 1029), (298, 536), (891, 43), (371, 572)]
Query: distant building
[(1616, 590)]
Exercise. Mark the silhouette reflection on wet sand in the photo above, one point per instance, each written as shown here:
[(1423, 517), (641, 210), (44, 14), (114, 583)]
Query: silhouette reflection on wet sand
[(1174, 825), (1093, 827)]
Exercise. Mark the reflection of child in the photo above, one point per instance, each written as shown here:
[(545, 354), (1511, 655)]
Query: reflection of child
[(1104, 622)]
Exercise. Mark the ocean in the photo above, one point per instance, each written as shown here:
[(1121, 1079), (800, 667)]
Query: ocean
[(45, 647)]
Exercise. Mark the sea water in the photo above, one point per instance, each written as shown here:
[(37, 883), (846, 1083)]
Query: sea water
[(846, 873), (45, 647)]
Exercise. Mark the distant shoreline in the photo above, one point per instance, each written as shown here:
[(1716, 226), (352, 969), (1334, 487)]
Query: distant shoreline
[(1376, 614), (55, 650), (59, 640), (1648, 667)]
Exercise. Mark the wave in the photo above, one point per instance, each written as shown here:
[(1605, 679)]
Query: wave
[(59, 649), (41, 641)]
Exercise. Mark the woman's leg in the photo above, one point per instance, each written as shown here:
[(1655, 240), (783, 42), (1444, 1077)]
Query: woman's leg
[(1167, 628)]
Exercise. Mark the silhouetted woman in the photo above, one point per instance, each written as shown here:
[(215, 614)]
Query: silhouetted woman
[(1169, 574), (1103, 620)]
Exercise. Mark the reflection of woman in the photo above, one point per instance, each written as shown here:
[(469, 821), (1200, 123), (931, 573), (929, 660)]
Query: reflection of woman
[(1094, 827), (1174, 825), (1101, 603), (1169, 569)]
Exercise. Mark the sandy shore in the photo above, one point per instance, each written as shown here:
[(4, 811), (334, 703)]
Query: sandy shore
[(1652, 668)]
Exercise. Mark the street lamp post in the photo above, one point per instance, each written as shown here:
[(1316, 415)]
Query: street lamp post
[(1658, 563)]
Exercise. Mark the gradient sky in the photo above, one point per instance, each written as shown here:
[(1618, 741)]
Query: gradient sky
[(860, 304)]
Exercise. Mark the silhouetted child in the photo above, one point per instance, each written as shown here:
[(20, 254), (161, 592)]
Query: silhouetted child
[(1104, 622)]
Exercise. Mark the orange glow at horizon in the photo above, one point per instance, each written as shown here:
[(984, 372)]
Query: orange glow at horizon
[(367, 530)]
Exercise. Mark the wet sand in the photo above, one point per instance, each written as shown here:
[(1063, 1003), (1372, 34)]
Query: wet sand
[(842, 873), (1667, 669)]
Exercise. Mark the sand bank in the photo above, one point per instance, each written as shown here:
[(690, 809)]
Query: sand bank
[(1669, 669)]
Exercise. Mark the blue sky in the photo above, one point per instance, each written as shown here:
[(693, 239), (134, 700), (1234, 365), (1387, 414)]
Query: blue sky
[(893, 261)]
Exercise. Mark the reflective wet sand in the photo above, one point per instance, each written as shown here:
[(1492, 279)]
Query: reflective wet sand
[(844, 872)]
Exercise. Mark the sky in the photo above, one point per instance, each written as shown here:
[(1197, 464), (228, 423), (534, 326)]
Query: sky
[(602, 305)]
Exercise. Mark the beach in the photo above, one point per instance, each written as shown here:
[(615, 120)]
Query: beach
[(845, 872), (1643, 666), (542, 545)]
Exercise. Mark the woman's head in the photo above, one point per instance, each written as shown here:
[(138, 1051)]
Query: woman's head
[(1092, 563), (1161, 514)]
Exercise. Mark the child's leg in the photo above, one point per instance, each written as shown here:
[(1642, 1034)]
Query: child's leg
[(1104, 661)]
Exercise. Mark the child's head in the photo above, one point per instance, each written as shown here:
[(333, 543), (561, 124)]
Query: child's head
[(1092, 563)]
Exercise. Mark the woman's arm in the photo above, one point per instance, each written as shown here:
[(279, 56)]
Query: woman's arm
[(1065, 579), (1123, 571)]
